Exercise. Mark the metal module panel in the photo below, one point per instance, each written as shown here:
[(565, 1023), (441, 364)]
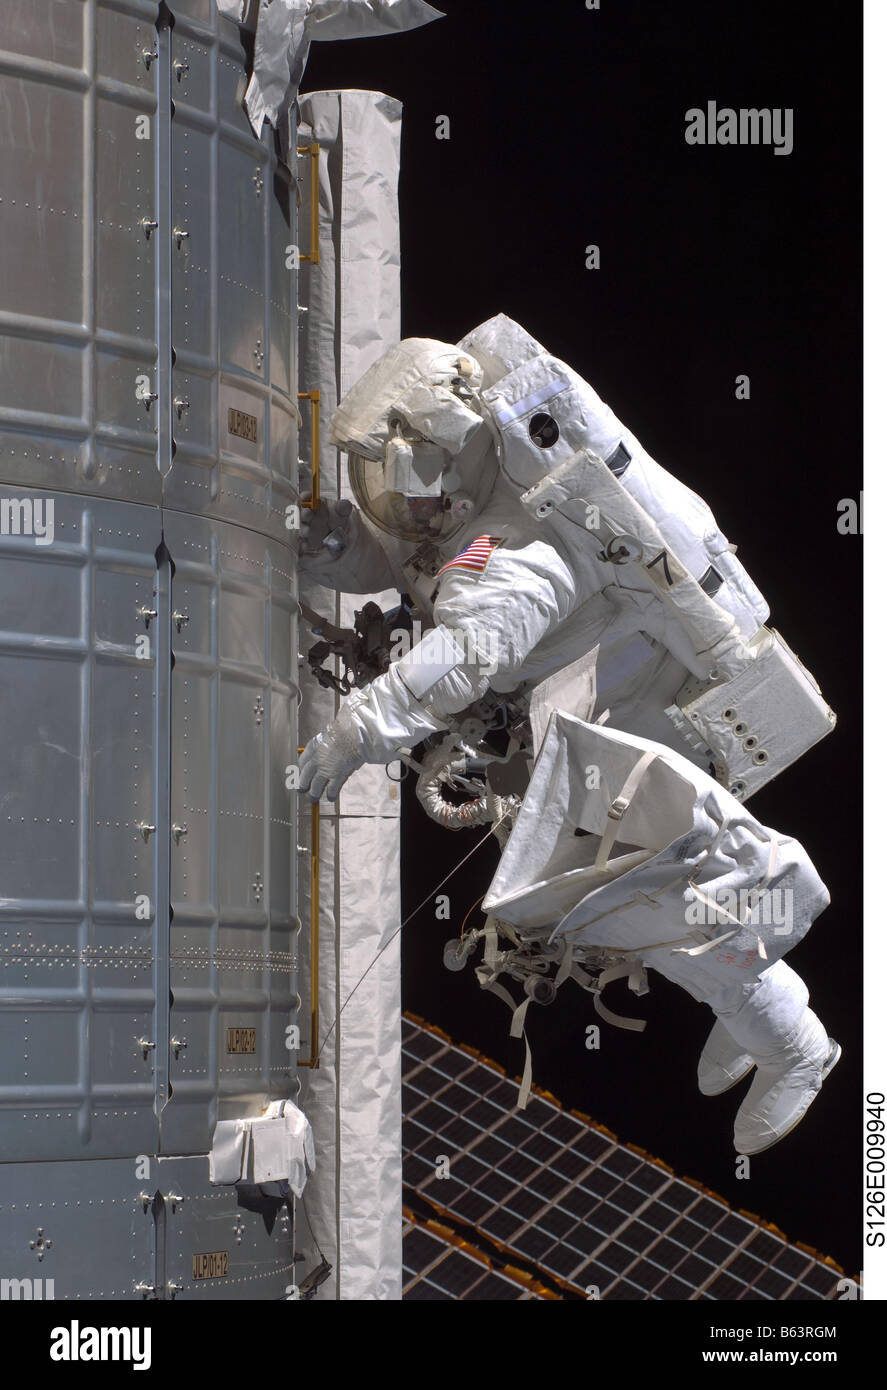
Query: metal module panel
[(147, 383), (77, 1230), (234, 277), (78, 318), (153, 228), (79, 683), (223, 1242), (233, 930)]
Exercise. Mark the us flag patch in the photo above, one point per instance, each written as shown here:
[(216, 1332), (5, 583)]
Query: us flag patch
[(474, 557)]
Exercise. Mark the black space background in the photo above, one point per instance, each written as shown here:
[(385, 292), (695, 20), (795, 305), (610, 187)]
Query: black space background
[(567, 129)]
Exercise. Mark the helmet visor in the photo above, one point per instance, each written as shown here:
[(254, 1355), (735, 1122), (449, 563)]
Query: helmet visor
[(426, 516)]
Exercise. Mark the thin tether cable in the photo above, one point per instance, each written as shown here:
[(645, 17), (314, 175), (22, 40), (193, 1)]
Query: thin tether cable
[(382, 949)]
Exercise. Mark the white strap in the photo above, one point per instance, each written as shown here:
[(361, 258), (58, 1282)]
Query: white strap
[(519, 1018), (715, 906), (757, 893), (718, 940), (635, 972), (518, 1030), (754, 898), (565, 969), (486, 975), (634, 1025), (708, 946), (620, 806)]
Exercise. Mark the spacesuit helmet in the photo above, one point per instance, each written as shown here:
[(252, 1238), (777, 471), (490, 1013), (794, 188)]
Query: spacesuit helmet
[(420, 460)]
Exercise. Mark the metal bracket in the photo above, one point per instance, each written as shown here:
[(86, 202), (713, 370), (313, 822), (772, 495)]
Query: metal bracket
[(312, 1282), (41, 1244), (621, 549), (364, 649)]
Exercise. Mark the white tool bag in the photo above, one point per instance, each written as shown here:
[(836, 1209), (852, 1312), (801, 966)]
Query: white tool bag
[(625, 845)]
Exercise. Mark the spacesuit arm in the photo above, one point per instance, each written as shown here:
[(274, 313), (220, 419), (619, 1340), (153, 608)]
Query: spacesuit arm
[(339, 550), (373, 723), (487, 625)]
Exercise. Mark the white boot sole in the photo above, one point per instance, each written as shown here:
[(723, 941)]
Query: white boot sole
[(831, 1061)]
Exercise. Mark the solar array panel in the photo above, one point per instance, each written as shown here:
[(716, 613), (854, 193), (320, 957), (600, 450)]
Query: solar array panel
[(439, 1265), (561, 1204)]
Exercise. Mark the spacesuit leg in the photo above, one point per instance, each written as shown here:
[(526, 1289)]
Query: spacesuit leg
[(725, 1060), (770, 1024), (722, 1063), (792, 1059)]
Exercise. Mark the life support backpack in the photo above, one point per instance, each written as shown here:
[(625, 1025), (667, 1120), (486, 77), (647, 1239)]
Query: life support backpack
[(584, 478)]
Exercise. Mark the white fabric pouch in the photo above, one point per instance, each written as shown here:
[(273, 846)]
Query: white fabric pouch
[(622, 843), (274, 1151)]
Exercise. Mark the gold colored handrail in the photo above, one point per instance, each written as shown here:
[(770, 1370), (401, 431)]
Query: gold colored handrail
[(314, 151), (314, 398)]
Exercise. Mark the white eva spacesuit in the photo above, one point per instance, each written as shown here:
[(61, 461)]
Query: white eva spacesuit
[(533, 532)]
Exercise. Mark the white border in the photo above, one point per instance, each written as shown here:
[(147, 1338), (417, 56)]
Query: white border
[(875, 371)]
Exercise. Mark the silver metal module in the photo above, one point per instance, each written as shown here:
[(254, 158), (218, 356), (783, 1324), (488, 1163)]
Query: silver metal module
[(147, 395)]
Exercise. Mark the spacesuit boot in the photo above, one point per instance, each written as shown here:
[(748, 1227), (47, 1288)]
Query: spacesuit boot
[(785, 1085), (722, 1063), (792, 1053)]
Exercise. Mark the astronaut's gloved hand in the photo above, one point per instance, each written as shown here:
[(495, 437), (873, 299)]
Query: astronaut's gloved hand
[(323, 526), (338, 551), (330, 758)]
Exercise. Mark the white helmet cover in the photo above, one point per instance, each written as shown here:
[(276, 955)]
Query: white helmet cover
[(414, 381), (403, 423)]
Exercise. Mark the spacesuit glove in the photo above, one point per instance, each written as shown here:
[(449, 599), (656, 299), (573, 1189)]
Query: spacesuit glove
[(324, 527), (329, 759)]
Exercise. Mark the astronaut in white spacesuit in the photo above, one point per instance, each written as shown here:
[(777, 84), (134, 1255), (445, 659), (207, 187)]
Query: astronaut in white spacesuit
[(530, 527)]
